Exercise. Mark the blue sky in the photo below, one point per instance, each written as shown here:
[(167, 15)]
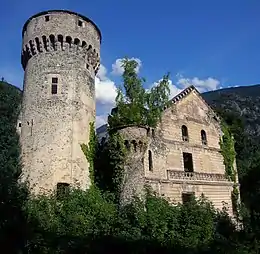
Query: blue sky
[(210, 44)]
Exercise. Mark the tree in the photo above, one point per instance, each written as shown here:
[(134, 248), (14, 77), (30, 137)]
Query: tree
[(134, 104)]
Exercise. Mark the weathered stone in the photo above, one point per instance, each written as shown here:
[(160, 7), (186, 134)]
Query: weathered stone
[(66, 46)]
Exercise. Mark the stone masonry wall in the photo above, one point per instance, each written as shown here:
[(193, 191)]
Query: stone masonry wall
[(136, 142), (54, 125), (167, 147)]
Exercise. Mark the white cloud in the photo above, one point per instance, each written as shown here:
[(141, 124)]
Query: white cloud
[(202, 85), (105, 88), (106, 92), (118, 70), (182, 82)]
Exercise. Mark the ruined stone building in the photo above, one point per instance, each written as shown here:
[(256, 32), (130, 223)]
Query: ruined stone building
[(60, 57), (181, 157)]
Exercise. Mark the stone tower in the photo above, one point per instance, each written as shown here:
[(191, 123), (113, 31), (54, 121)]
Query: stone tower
[(60, 57)]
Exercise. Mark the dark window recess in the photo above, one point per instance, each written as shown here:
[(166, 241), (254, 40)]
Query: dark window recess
[(203, 137), (54, 80), (184, 131), (80, 23), (62, 189), (54, 86), (187, 161), (20, 125), (54, 89), (150, 160), (187, 197), (47, 18)]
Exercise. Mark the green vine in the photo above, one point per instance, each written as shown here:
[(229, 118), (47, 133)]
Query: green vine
[(117, 156), (90, 151), (227, 145)]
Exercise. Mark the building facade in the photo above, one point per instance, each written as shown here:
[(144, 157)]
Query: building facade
[(60, 57), (182, 156)]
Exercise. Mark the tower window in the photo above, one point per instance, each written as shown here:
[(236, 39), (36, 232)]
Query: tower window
[(150, 160), (184, 131), (80, 23), (203, 137), (187, 161), (20, 124), (54, 86), (62, 189), (187, 197), (47, 18)]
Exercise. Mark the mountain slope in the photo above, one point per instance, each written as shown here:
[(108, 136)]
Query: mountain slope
[(243, 101)]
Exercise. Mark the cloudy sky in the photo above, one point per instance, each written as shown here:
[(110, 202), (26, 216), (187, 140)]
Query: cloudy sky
[(210, 44)]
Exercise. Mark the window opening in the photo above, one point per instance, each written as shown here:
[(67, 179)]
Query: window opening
[(54, 86), (150, 159), (184, 130), (47, 18), (187, 161), (80, 23), (187, 197), (203, 137)]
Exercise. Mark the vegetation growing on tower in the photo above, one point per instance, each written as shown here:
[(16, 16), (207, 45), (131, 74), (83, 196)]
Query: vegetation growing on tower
[(134, 104)]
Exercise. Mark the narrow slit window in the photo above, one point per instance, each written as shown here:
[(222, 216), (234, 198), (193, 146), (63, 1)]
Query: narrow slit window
[(150, 160), (54, 86), (47, 18), (188, 162)]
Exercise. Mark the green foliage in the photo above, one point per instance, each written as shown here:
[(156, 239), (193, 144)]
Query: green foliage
[(12, 194), (135, 105), (227, 146), (110, 164), (90, 151)]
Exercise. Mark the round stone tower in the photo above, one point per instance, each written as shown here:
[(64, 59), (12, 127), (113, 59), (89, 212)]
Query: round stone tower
[(60, 57)]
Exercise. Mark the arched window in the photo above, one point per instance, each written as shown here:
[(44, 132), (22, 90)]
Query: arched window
[(203, 137), (184, 131), (150, 160), (69, 40)]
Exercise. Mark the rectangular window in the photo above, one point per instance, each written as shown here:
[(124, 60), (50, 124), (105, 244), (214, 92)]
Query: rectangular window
[(187, 197), (54, 80), (188, 162), (80, 23), (47, 18), (54, 86)]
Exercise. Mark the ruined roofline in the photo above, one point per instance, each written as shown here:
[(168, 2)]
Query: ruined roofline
[(61, 11), (185, 93)]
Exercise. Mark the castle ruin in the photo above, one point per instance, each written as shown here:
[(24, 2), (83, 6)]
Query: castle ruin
[(60, 57)]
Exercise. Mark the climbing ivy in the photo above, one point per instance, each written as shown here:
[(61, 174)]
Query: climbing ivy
[(90, 151), (227, 145)]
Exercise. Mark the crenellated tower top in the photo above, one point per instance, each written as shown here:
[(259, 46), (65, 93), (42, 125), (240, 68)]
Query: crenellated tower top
[(60, 30)]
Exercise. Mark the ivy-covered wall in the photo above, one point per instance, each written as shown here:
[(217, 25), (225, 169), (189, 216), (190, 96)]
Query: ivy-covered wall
[(227, 145)]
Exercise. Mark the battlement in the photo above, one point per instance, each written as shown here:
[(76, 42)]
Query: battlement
[(61, 30), (52, 43)]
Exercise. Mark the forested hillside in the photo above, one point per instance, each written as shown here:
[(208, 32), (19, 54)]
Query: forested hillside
[(93, 222)]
